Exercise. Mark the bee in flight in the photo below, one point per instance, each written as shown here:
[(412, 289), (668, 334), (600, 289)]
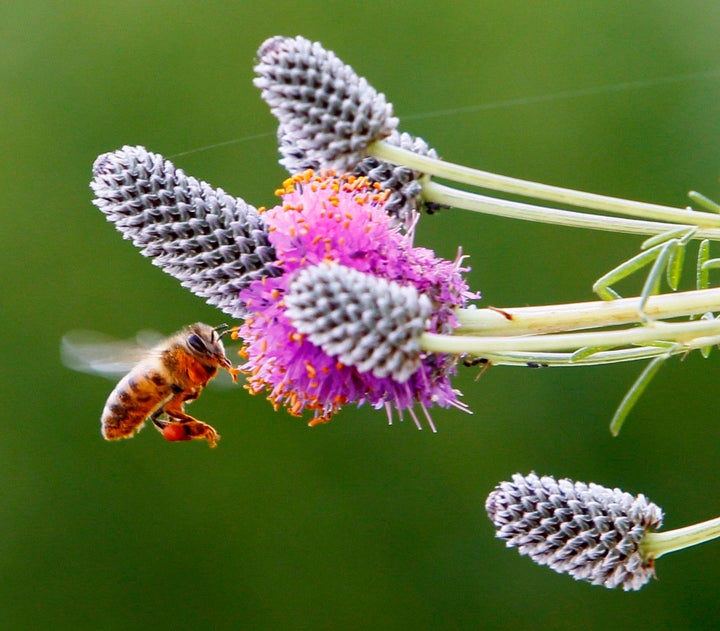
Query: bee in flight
[(157, 387)]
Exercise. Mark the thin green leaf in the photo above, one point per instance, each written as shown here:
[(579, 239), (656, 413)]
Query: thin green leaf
[(602, 285), (635, 392), (675, 267), (702, 274), (652, 282), (705, 202), (681, 234)]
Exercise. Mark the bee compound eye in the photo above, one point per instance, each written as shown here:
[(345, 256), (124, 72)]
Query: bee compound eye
[(195, 343)]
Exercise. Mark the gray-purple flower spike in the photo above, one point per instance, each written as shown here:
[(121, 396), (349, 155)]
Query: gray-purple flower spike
[(213, 243), (368, 322), (327, 114), (586, 530)]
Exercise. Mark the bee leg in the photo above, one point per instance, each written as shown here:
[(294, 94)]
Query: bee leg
[(177, 430), (182, 426)]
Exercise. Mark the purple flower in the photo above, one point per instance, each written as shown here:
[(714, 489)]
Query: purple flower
[(342, 323)]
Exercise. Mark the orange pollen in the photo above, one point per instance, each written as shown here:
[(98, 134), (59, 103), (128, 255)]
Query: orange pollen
[(275, 294), (310, 369), (296, 337), (317, 421)]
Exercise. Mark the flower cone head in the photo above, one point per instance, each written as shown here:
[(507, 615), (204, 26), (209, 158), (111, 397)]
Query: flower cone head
[(214, 244), (586, 530)]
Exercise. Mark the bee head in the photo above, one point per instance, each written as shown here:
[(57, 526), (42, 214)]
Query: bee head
[(205, 343)]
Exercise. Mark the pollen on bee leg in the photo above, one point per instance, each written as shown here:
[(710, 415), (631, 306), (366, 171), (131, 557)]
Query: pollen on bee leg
[(174, 432)]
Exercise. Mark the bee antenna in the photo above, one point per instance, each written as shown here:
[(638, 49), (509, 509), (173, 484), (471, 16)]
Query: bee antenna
[(227, 327)]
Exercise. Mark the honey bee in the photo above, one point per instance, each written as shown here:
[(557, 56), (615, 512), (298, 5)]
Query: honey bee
[(157, 387)]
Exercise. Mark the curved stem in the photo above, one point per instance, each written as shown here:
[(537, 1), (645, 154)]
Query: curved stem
[(656, 544), (683, 332), (566, 360), (585, 315), (445, 195), (581, 199)]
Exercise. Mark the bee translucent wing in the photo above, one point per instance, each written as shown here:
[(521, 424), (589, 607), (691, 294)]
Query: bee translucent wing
[(96, 353), (99, 354)]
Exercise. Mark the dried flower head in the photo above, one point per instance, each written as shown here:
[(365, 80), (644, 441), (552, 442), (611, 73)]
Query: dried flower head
[(337, 249), (368, 322), (213, 243), (327, 114), (586, 530)]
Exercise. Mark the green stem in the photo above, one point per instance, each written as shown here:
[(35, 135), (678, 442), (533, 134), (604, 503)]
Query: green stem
[(535, 190), (565, 360), (585, 315), (445, 195), (684, 332), (656, 544)]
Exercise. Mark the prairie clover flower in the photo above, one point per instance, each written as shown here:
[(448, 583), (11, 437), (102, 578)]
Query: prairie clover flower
[(596, 534), (214, 244), (342, 323), (335, 297), (328, 116), (331, 118), (330, 284)]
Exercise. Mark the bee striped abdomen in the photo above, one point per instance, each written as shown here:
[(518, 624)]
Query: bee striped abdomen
[(140, 393)]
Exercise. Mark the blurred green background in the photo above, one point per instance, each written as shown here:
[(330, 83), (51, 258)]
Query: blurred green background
[(355, 524)]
